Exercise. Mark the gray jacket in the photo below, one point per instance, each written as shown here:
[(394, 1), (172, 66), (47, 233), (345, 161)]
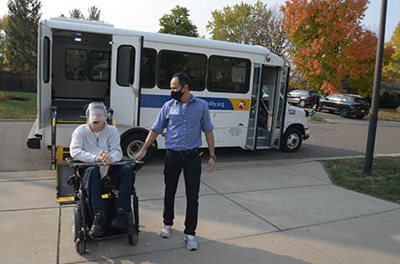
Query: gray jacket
[(86, 145)]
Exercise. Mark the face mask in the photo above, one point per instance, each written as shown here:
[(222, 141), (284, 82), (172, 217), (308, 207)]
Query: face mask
[(177, 95)]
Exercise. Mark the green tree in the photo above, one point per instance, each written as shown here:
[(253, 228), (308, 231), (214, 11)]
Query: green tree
[(76, 13), (251, 24), (21, 34), (232, 23), (94, 13), (3, 25), (178, 23), (391, 69)]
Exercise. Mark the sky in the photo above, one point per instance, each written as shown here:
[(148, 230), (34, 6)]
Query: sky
[(144, 15)]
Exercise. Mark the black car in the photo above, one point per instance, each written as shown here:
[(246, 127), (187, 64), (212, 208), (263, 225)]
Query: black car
[(302, 98), (346, 105)]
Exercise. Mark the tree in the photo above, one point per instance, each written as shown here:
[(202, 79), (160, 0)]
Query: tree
[(94, 13), (329, 43), (76, 13), (391, 69), (232, 24), (3, 25), (250, 24), (21, 35), (178, 23)]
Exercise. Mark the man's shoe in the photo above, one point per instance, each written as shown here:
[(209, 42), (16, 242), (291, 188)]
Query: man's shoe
[(98, 225), (166, 231), (119, 220), (191, 243)]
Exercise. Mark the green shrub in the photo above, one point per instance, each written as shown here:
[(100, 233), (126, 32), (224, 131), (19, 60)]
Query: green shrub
[(398, 109), (389, 100)]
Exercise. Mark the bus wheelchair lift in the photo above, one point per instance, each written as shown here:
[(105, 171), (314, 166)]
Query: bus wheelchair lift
[(82, 217)]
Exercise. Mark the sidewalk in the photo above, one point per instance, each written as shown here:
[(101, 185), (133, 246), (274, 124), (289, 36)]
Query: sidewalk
[(250, 212)]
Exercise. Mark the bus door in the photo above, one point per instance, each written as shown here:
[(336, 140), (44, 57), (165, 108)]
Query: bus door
[(251, 139), (44, 75), (278, 116), (125, 78)]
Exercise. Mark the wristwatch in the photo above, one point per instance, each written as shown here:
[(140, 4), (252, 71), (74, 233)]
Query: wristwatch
[(213, 157)]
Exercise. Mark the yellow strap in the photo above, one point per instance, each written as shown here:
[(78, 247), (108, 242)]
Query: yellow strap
[(65, 199)]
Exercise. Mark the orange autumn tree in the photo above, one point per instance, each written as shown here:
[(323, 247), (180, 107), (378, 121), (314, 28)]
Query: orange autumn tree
[(329, 43)]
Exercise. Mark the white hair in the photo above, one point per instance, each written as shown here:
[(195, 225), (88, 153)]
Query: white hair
[(96, 105)]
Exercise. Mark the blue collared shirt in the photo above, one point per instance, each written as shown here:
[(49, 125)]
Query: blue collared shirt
[(184, 123)]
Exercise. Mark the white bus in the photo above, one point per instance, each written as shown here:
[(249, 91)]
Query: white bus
[(80, 61)]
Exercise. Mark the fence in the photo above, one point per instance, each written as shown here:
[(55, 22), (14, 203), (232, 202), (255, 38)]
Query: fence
[(17, 81)]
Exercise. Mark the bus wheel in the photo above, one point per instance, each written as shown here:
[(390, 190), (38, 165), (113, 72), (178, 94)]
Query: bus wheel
[(291, 140), (132, 143)]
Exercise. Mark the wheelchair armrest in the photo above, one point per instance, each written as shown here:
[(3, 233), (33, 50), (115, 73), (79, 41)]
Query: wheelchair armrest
[(74, 163), (79, 164)]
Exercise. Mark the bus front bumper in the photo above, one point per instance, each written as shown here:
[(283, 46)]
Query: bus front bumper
[(306, 134)]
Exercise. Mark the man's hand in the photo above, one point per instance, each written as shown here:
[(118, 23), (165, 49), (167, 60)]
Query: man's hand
[(104, 157), (211, 164), (140, 155)]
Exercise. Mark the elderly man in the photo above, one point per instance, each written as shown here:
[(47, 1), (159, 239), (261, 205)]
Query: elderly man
[(98, 142)]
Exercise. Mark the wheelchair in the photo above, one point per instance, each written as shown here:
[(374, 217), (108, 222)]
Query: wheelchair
[(82, 217)]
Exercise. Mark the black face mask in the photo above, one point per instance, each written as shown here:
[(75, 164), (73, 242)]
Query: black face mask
[(177, 95)]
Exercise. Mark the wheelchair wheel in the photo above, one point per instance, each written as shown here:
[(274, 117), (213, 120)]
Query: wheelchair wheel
[(80, 246), (133, 239), (77, 224)]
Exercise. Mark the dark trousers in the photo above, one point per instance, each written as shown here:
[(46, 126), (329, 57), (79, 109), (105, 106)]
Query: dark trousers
[(190, 163), (123, 178)]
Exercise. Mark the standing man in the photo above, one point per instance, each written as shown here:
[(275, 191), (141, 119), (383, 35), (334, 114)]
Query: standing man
[(184, 117), (99, 142)]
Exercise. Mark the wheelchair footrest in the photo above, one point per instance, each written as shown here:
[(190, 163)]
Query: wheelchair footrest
[(113, 233)]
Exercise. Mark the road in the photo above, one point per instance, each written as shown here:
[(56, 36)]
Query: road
[(334, 138)]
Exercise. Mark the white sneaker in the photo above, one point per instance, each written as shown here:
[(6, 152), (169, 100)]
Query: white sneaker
[(191, 243), (166, 231)]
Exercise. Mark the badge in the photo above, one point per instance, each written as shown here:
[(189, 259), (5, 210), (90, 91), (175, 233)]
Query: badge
[(174, 110)]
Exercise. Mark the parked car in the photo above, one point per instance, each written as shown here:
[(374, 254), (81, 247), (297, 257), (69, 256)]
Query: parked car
[(302, 98), (346, 105)]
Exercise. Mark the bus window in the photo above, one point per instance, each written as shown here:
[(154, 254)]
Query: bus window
[(268, 84), (227, 74), (125, 65), (75, 64), (46, 59), (193, 64), (99, 66), (148, 70)]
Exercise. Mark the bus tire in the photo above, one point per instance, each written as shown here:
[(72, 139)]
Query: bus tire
[(132, 143), (292, 139)]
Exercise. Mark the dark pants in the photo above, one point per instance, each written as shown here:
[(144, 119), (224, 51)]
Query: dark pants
[(123, 178), (190, 163)]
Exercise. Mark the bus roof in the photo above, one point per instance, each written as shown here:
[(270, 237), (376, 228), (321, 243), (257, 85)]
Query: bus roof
[(103, 28)]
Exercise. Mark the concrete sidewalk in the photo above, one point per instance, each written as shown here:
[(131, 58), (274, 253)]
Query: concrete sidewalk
[(250, 212)]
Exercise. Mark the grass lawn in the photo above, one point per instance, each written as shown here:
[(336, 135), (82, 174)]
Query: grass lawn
[(317, 119), (384, 182), (17, 105), (389, 115)]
